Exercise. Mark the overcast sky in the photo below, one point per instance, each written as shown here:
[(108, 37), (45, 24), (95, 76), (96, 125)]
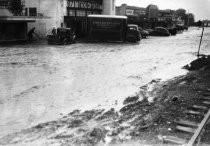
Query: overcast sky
[(201, 8)]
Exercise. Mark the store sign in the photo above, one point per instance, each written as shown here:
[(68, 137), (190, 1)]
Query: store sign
[(129, 12), (84, 4), (106, 24)]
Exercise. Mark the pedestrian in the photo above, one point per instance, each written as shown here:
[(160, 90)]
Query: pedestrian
[(54, 31), (30, 34)]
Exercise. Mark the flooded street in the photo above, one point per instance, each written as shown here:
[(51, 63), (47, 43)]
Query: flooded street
[(39, 83)]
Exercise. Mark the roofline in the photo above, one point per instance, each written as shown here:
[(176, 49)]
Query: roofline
[(108, 16), (135, 7)]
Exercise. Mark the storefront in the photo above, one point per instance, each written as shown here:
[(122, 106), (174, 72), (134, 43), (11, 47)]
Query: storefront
[(77, 12), (13, 28)]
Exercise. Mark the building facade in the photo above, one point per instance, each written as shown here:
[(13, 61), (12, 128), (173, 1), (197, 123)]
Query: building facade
[(12, 28), (77, 12), (206, 23), (60, 13), (149, 17), (138, 15), (66, 13), (48, 14), (152, 12), (131, 11)]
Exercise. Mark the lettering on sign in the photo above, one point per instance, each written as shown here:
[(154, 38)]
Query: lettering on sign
[(84, 4), (129, 12), (101, 24)]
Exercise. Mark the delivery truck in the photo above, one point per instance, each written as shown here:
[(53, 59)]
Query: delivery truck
[(111, 29)]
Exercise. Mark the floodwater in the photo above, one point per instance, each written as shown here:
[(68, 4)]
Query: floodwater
[(40, 82)]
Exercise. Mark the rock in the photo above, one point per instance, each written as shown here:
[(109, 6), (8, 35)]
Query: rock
[(111, 114), (130, 100), (203, 62), (175, 98), (75, 123), (98, 134), (75, 112)]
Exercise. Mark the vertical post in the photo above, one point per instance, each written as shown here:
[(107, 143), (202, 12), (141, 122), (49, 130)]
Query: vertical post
[(188, 18), (200, 42)]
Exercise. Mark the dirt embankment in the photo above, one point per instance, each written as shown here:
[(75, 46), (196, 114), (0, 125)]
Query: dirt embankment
[(143, 119)]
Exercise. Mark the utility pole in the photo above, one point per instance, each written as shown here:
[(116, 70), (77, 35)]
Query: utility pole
[(200, 42), (188, 18)]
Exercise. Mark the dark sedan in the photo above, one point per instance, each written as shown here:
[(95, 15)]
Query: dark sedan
[(172, 30), (143, 32), (160, 31)]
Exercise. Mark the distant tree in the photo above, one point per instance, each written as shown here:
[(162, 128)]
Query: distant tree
[(16, 7), (181, 12), (199, 23), (191, 19)]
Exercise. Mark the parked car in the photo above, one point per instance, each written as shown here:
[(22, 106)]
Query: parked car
[(61, 36), (149, 30), (172, 30), (185, 27), (181, 27), (143, 32), (160, 31)]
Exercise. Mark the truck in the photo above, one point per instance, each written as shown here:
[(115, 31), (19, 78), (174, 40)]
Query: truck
[(111, 29)]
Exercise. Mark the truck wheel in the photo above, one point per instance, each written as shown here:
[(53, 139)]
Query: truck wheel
[(131, 40), (65, 41)]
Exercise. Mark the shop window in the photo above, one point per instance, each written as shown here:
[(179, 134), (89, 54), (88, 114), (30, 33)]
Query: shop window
[(89, 13), (4, 3), (81, 13), (26, 11), (71, 13), (32, 12)]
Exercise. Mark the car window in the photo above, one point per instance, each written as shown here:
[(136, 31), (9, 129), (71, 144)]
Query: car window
[(161, 29), (132, 28), (140, 29)]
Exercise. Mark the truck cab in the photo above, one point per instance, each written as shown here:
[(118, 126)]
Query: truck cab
[(61, 36), (133, 33)]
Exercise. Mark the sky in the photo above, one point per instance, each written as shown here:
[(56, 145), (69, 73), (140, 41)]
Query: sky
[(200, 8)]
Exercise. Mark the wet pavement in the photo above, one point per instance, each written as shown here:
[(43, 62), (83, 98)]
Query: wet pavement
[(40, 82)]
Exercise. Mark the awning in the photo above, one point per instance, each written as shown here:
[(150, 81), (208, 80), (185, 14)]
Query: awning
[(17, 19)]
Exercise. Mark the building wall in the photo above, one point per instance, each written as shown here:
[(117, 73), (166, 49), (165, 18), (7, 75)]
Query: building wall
[(152, 12), (54, 12), (206, 23), (4, 12), (50, 13), (108, 7), (125, 10), (121, 10)]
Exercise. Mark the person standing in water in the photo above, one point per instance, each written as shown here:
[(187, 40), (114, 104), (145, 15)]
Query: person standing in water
[(30, 34)]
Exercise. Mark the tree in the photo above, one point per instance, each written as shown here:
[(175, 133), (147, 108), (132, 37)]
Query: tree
[(199, 23), (191, 19), (16, 7), (188, 18), (181, 12)]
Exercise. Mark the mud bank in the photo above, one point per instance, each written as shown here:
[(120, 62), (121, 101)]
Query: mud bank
[(143, 119)]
